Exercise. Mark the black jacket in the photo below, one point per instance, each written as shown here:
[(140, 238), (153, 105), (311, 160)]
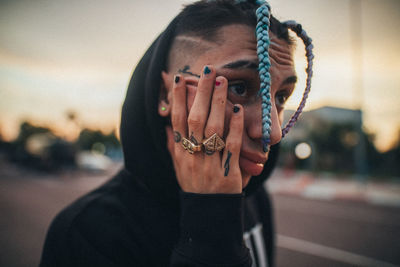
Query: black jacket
[(141, 218)]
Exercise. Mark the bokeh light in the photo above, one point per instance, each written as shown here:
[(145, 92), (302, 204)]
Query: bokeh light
[(303, 150)]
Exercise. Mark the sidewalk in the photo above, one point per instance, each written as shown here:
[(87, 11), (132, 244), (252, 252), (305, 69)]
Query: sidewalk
[(329, 187)]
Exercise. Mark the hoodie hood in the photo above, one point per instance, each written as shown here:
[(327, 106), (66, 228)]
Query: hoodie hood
[(143, 133)]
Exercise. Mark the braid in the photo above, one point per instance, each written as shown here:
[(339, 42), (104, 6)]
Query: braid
[(294, 26), (265, 23), (263, 41)]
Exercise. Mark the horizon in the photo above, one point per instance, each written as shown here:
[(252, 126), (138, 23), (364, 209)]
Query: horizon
[(75, 127), (57, 57)]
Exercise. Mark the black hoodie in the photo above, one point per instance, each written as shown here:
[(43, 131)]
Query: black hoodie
[(141, 218)]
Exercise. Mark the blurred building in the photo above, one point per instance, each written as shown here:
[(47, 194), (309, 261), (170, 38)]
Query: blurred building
[(312, 120), (327, 139)]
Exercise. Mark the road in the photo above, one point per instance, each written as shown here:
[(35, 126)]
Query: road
[(28, 202), (310, 232), (336, 233)]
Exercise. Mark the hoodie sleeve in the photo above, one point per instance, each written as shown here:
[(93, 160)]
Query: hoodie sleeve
[(97, 237), (211, 231), (72, 250)]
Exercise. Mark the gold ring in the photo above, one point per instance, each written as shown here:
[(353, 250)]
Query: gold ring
[(213, 143), (190, 146)]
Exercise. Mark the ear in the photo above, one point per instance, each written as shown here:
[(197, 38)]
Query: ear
[(164, 101)]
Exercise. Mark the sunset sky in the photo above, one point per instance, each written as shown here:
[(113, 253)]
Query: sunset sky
[(57, 56)]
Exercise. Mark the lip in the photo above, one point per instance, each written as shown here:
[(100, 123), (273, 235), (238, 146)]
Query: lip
[(252, 164)]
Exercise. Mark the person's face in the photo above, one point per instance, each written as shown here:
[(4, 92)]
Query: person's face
[(236, 59)]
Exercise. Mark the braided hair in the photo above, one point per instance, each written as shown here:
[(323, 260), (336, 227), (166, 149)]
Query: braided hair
[(262, 32), (298, 29), (204, 18)]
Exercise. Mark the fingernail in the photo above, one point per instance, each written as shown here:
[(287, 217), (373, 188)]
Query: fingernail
[(177, 78), (217, 83), (236, 109), (207, 70)]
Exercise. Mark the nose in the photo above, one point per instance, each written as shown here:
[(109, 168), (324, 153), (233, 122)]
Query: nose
[(276, 128), (253, 123)]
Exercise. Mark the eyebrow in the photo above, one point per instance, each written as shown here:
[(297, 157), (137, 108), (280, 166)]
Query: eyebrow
[(241, 64), (290, 80)]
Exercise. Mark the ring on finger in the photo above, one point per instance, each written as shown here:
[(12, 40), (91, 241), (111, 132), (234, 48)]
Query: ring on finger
[(190, 146), (213, 143)]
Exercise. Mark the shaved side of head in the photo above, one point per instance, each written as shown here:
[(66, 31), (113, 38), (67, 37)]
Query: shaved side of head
[(185, 50)]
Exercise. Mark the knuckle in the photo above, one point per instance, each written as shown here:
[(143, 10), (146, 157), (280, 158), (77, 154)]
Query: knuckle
[(194, 121), (211, 129), (233, 145), (177, 118), (202, 89)]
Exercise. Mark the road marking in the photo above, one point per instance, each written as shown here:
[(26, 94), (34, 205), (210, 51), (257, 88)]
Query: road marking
[(328, 252)]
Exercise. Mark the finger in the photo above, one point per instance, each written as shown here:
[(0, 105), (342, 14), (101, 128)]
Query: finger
[(174, 150), (216, 118), (199, 112), (215, 122), (170, 142), (178, 111), (230, 158)]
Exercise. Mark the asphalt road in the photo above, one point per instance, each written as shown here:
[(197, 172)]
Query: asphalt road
[(310, 232), (28, 202), (336, 233)]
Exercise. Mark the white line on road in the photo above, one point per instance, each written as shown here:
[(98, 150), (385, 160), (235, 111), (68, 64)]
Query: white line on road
[(328, 252)]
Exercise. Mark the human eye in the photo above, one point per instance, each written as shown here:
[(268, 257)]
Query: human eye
[(243, 90), (281, 97), (238, 88)]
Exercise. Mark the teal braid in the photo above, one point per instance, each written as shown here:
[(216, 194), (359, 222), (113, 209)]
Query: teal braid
[(263, 14), (263, 22)]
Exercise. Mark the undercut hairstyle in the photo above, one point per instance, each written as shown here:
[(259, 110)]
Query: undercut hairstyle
[(183, 50), (201, 21)]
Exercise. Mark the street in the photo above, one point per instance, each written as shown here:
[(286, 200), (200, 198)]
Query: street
[(335, 233), (310, 232)]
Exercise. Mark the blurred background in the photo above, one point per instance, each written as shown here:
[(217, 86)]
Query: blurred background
[(64, 70)]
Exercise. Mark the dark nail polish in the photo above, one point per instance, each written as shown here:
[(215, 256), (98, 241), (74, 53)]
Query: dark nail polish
[(177, 78), (236, 109), (217, 83), (207, 70)]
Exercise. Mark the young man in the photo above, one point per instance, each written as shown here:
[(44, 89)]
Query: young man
[(179, 202)]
